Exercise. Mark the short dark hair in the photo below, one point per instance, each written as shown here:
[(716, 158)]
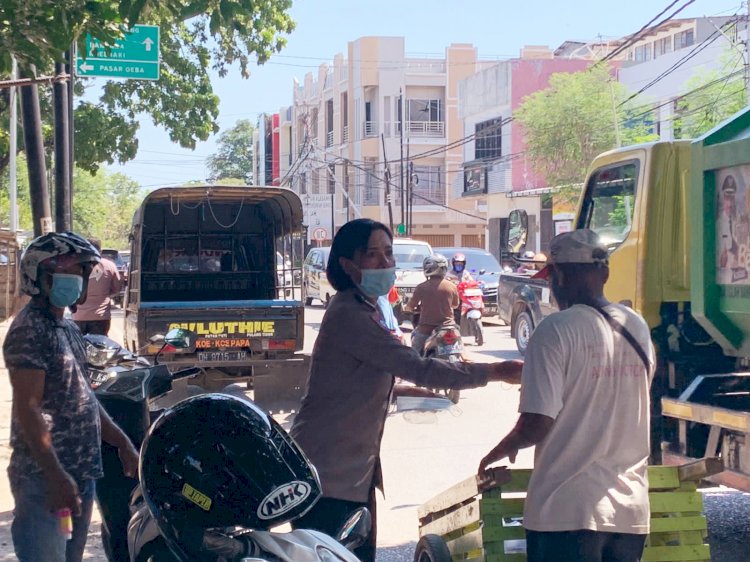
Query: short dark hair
[(351, 237), (96, 243)]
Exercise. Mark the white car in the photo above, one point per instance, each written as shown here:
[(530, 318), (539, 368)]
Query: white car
[(314, 276), (409, 255)]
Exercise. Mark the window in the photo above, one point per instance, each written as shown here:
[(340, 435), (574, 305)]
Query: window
[(424, 110), (488, 139), (684, 39), (643, 53), (609, 202), (662, 46), (475, 180), (428, 187), (372, 193), (331, 174), (303, 183), (329, 123)]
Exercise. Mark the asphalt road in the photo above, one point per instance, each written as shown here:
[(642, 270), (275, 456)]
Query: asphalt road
[(426, 454)]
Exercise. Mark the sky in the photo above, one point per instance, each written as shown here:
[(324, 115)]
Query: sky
[(497, 28)]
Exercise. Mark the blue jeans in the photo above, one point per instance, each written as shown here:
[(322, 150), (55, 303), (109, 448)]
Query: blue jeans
[(36, 530)]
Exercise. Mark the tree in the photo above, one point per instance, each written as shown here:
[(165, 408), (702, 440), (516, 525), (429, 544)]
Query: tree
[(196, 36), (234, 157), (573, 120), (103, 207), (713, 96)]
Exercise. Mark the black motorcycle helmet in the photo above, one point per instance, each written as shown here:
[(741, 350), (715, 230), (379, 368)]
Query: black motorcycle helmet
[(215, 461)]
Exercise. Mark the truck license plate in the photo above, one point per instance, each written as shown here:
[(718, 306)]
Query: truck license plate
[(213, 356)]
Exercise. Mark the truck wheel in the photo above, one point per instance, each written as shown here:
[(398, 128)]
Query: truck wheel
[(432, 548), (524, 327)]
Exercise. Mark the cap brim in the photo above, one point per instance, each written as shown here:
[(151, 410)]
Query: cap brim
[(544, 273)]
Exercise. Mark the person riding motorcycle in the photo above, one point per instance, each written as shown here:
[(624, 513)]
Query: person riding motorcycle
[(458, 272), (435, 298)]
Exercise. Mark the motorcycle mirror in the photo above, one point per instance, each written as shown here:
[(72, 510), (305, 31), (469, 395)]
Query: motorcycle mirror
[(180, 338), (355, 530)]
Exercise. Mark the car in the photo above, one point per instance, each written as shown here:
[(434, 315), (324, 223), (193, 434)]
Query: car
[(409, 255), (484, 268), (314, 276), (122, 269)]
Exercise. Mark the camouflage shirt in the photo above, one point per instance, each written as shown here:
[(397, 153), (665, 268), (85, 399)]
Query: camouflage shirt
[(38, 340)]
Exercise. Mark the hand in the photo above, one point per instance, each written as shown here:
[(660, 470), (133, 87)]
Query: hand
[(506, 371), (62, 493), (129, 459), (501, 451)]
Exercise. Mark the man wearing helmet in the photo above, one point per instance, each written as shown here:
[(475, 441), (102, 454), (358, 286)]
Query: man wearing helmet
[(57, 424), (458, 272), (435, 299)]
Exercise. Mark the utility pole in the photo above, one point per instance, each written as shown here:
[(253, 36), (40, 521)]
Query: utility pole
[(402, 170), (13, 187), (747, 50), (71, 68), (387, 185), (32, 136), (62, 156)]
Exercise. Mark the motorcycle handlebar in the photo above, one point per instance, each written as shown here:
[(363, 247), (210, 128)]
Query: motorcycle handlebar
[(186, 373)]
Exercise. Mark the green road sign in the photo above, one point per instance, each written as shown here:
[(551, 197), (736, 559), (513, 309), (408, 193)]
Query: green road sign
[(134, 56)]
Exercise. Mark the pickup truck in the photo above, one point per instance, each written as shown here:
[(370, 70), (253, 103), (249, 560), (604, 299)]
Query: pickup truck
[(206, 259), (522, 303)]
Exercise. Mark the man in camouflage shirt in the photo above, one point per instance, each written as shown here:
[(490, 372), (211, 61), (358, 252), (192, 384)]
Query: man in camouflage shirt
[(57, 423)]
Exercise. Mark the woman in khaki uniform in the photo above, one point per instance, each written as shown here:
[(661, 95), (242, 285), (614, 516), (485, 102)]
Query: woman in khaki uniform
[(354, 361)]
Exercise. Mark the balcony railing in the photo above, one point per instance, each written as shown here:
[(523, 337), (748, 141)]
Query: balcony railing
[(371, 129), (329, 138), (345, 134), (426, 128)]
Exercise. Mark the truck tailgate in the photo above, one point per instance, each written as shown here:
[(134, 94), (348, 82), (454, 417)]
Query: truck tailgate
[(230, 331)]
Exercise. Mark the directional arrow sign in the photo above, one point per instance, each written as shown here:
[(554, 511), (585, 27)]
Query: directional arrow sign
[(134, 56)]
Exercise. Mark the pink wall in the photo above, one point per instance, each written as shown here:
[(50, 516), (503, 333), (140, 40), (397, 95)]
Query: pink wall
[(529, 76)]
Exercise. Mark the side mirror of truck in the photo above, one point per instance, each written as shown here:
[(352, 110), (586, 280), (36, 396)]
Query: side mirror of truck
[(516, 231), (180, 338)]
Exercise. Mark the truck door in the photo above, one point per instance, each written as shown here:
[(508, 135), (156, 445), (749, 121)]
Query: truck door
[(608, 208)]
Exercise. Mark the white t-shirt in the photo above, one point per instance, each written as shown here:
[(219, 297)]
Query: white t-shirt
[(590, 470)]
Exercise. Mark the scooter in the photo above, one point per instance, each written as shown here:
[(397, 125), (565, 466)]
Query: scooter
[(128, 388), (472, 309), (445, 343)]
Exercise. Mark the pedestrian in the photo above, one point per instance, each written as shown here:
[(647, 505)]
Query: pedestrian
[(95, 315), (341, 420), (57, 423), (585, 405)]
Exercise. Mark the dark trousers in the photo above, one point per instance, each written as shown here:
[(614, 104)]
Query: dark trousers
[(98, 327), (583, 546), (329, 515)]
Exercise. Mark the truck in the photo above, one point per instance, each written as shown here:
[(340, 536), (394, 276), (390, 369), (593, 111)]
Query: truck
[(675, 216), (223, 262)]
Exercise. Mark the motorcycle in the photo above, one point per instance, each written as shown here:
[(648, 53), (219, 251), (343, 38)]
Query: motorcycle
[(445, 343), (471, 310), (129, 388), (134, 393)]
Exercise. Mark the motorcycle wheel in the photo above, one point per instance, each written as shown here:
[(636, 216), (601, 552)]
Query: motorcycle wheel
[(432, 548), (453, 394), (476, 327)]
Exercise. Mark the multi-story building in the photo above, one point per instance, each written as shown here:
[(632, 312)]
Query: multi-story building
[(496, 172), (380, 134)]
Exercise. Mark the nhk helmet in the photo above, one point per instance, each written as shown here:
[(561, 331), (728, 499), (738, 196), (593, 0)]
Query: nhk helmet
[(435, 266), (215, 461), (51, 250)]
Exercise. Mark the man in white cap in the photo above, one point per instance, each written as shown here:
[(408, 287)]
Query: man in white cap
[(585, 405)]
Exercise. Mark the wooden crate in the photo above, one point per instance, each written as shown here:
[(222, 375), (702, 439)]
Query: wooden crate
[(482, 522)]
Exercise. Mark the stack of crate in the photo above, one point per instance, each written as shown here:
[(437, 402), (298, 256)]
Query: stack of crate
[(483, 521)]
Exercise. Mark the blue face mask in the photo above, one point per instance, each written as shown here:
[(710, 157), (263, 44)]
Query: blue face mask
[(66, 289), (377, 282), (458, 266)]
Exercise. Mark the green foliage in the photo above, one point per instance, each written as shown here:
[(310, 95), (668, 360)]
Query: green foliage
[(572, 121), (197, 36), (716, 98), (234, 157), (103, 205)]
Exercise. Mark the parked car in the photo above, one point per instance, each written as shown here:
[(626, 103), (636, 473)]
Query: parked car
[(315, 280), (122, 269), (524, 302), (409, 255), (484, 268)]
